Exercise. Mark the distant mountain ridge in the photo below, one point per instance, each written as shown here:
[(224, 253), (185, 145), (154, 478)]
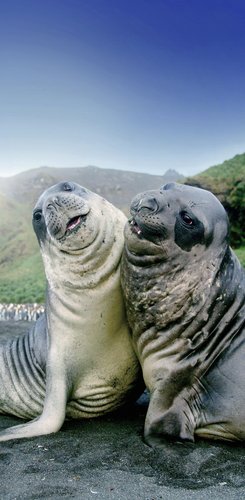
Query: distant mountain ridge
[(118, 186)]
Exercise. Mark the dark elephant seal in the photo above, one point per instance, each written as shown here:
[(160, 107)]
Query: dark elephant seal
[(185, 299), (78, 361)]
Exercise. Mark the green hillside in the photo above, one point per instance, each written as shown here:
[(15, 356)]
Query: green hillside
[(227, 182), (22, 275), (228, 171), (25, 282)]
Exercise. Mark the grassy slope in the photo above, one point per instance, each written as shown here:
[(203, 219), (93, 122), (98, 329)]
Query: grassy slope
[(240, 252), (222, 178), (22, 275), (25, 283), (227, 182)]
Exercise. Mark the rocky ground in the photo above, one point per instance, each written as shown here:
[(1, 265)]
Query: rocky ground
[(106, 458)]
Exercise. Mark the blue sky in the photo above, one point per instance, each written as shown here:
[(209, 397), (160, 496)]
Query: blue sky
[(141, 85)]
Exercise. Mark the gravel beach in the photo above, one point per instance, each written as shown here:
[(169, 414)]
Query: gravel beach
[(106, 458)]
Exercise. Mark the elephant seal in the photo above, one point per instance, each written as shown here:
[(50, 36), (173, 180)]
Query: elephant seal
[(78, 361), (185, 299)]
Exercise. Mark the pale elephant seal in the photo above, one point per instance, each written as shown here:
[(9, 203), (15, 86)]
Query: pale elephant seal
[(78, 361), (185, 299)]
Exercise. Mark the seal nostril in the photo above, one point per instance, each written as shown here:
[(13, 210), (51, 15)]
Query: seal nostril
[(67, 186), (148, 204), (56, 201)]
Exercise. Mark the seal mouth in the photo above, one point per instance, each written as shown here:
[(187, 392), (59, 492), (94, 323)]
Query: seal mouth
[(135, 228), (74, 224)]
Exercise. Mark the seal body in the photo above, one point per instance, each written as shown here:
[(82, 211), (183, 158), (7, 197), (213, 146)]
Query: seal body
[(185, 298), (78, 361)]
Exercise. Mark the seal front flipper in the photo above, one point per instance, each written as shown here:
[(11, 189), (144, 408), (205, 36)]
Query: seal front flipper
[(174, 423), (37, 427), (50, 420)]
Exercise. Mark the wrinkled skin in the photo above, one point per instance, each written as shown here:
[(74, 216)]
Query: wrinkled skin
[(185, 298), (78, 361)]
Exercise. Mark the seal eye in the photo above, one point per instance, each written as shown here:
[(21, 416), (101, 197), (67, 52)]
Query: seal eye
[(37, 216), (67, 186), (186, 218)]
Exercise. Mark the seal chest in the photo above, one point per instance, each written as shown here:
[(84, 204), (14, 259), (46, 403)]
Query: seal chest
[(185, 299), (79, 359)]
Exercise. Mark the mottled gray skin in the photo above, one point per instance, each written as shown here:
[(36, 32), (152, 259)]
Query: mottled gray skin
[(185, 300), (78, 361)]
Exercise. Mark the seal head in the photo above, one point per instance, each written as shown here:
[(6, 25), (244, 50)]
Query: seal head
[(187, 220), (62, 214)]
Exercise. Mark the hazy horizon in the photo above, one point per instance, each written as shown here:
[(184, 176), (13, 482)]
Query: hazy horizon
[(130, 85), (80, 166), (107, 168)]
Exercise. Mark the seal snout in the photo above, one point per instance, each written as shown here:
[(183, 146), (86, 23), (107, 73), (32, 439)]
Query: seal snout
[(142, 208), (64, 214)]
